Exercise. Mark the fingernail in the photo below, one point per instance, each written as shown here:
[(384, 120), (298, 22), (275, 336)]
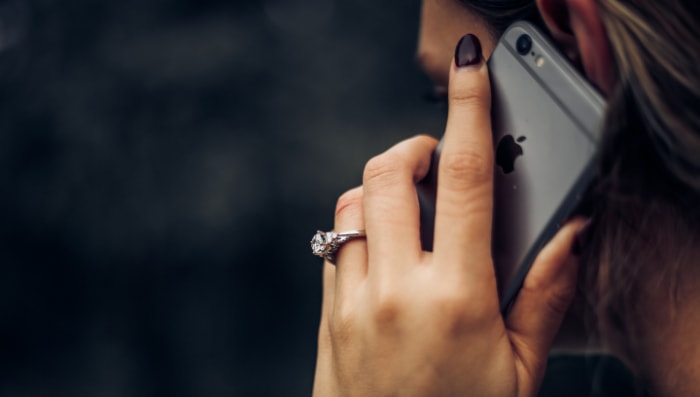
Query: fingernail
[(581, 239), (468, 51)]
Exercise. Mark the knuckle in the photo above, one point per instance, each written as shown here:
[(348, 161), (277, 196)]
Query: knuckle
[(559, 299), (383, 169), (387, 310), (348, 202), (474, 96), (425, 139), (463, 311), (454, 316), (556, 299), (466, 169), (386, 316)]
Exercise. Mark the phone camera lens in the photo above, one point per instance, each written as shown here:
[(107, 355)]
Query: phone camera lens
[(524, 44)]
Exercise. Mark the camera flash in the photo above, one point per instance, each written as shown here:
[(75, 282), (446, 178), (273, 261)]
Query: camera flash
[(539, 61)]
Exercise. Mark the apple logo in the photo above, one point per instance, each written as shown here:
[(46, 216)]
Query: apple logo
[(507, 151)]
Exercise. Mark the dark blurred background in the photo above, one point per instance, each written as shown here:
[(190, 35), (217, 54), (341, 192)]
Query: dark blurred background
[(163, 165)]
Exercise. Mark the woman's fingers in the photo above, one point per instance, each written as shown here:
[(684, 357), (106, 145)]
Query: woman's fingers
[(465, 173), (544, 298), (351, 258), (391, 203)]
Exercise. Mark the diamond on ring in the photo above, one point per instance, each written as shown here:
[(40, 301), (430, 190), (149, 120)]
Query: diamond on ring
[(326, 244), (320, 243)]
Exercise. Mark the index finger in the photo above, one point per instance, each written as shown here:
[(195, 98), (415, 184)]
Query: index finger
[(464, 205)]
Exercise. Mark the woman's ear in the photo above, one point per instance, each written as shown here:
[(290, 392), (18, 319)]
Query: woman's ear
[(577, 26)]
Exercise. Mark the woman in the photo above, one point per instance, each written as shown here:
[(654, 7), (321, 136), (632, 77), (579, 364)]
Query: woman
[(398, 321)]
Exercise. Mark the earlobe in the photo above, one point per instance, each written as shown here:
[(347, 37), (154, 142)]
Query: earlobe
[(577, 26)]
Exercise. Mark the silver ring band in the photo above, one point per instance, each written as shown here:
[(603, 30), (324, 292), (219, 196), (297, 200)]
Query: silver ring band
[(326, 244)]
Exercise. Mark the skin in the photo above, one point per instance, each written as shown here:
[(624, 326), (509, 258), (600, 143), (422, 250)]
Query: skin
[(397, 321)]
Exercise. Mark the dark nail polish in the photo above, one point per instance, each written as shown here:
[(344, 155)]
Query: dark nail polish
[(468, 51)]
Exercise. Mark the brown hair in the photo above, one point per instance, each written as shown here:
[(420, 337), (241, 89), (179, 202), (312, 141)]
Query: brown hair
[(499, 14), (646, 210), (645, 203)]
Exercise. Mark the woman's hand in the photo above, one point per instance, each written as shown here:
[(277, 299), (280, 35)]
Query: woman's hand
[(398, 321)]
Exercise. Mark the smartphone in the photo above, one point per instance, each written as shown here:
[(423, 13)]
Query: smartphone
[(546, 119)]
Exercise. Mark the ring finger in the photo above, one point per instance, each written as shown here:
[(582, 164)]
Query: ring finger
[(351, 258)]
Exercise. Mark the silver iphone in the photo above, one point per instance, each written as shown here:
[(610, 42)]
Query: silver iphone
[(546, 119)]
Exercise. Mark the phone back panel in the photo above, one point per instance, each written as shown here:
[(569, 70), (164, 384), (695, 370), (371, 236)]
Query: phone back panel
[(553, 117)]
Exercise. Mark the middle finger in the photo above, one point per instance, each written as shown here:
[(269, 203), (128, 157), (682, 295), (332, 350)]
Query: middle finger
[(391, 203)]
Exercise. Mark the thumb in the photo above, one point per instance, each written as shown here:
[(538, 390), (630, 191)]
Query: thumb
[(542, 302)]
